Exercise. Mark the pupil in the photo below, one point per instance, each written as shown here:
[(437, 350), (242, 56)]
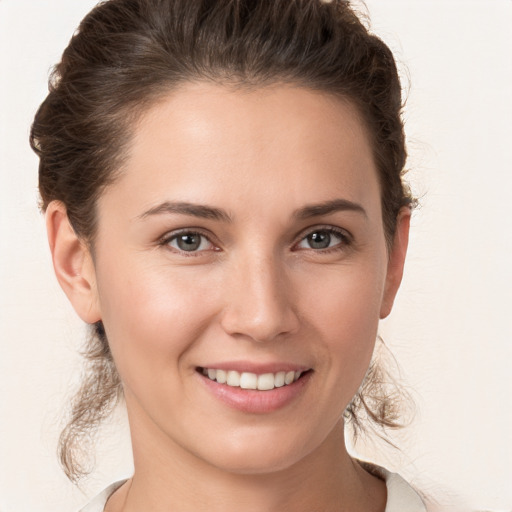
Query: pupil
[(319, 240), (189, 242)]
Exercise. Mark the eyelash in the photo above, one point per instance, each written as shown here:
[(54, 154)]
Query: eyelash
[(344, 236), (346, 239), (166, 240)]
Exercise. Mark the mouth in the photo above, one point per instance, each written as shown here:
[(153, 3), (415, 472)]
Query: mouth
[(253, 381), (256, 388)]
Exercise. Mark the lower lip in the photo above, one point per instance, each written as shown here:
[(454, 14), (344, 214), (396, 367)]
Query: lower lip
[(257, 402)]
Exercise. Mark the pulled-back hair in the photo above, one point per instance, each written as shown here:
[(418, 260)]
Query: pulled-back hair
[(127, 54)]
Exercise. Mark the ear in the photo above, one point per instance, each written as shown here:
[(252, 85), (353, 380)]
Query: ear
[(396, 261), (72, 263)]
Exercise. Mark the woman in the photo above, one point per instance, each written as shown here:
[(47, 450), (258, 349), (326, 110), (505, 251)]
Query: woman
[(223, 191)]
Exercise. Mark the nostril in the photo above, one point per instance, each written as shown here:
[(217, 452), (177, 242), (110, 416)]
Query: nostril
[(260, 304)]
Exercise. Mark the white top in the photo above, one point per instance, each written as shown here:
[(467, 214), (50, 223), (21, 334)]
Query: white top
[(401, 496)]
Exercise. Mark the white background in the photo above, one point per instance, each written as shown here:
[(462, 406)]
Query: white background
[(451, 330)]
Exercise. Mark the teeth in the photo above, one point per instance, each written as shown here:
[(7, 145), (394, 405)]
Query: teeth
[(266, 381), (288, 378), (279, 379), (221, 376), (233, 379), (247, 380)]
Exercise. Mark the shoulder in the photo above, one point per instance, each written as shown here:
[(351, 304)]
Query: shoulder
[(401, 495), (404, 497), (97, 504)]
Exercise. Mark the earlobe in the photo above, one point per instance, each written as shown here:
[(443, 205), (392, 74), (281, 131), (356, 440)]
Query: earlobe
[(396, 261), (72, 263)]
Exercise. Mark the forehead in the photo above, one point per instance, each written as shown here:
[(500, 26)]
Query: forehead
[(209, 143)]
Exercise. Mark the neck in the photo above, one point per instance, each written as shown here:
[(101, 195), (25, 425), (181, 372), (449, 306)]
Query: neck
[(168, 477)]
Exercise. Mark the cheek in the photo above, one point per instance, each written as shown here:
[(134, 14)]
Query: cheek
[(344, 310), (151, 318), (347, 299)]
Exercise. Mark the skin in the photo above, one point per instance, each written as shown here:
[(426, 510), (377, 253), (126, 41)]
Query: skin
[(255, 291)]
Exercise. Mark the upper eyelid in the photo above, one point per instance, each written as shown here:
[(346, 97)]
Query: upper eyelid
[(325, 227), (169, 235)]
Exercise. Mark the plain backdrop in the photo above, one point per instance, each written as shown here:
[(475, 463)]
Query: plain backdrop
[(451, 330)]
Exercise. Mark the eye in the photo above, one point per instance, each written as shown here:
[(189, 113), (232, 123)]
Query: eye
[(326, 238), (188, 241)]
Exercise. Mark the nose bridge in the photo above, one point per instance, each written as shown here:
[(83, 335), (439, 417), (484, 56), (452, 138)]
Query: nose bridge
[(260, 304)]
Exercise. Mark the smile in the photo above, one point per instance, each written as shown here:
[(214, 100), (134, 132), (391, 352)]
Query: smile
[(248, 380)]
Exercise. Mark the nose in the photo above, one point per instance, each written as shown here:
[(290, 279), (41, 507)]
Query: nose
[(260, 301)]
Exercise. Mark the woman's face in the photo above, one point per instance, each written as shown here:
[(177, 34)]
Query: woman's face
[(244, 241)]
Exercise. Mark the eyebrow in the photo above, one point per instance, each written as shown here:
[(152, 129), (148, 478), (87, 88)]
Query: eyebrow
[(213, 213), (184, 208), (328, 207)]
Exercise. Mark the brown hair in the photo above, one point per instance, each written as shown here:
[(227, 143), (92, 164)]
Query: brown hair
[(128, 53)]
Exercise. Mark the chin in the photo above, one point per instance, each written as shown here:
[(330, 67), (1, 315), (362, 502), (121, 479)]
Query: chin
[(260, 453), (263, 464)]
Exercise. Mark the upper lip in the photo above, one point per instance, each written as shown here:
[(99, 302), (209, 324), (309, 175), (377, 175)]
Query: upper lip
[(257, 368)]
